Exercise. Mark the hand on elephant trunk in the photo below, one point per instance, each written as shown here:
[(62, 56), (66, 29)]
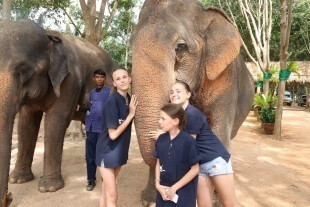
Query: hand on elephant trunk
[(155, 134), (132, 106)]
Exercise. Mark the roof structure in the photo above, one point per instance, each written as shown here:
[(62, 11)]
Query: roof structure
[(304, 73)]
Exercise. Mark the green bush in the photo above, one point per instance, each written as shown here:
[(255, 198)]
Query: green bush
[(267, 114)]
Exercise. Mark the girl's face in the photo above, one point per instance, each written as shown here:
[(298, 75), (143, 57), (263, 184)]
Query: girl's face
[(166, 122), (179, 94), (121, 79)]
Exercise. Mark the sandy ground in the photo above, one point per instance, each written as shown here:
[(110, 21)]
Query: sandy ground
[(267, 172)]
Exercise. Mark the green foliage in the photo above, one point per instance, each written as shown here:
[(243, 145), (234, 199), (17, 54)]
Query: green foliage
[(267, 115), (262, 101), (294, 68), (116, 41), (299, 30)]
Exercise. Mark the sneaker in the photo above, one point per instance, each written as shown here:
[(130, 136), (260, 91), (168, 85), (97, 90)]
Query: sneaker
[(90, 185)]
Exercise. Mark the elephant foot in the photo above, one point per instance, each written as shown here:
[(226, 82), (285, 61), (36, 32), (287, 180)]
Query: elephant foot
[(149, 196), (6, 199), (50, 184), (19, 176)]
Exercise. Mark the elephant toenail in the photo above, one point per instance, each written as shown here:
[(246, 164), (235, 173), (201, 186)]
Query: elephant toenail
[(52, 189), (42, 190), (12, 181)]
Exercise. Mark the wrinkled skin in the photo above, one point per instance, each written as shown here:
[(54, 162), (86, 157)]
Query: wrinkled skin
[(181, 40), (41, 71)]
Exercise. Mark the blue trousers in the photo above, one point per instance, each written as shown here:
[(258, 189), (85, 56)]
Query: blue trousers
[(91, 142)]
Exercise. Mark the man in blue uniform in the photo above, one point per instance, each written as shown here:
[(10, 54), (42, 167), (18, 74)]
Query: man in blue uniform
[(93, 124)]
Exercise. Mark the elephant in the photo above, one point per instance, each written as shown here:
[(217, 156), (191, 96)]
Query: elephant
[(182, 40), (42, 71)]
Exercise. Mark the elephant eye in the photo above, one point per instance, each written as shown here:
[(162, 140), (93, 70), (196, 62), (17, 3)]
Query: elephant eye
[(181, 47)]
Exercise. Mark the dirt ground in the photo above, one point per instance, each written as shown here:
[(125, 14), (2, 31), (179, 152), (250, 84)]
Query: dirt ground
[(267, 172)]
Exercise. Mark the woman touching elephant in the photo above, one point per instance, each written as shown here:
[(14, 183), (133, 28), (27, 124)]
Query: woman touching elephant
[(215, 165), (182, 40)]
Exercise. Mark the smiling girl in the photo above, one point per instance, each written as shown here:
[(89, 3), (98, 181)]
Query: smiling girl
[(113, 144), (215, 165)]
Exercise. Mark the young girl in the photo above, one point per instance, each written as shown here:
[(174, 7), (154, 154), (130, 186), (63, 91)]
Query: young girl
[(177, 163), (215, 165), (113, 143)]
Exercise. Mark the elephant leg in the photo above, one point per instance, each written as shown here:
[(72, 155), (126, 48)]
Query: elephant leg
[(55, 125), (28, 129), (149, 193)]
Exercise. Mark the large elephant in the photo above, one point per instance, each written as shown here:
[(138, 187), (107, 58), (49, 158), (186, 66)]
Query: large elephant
[(181, 40), (41, 71)]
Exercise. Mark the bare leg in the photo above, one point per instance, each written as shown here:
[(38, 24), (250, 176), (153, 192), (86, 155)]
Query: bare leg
[(109, 193), (205, 191), (225, 187), (28, 129)]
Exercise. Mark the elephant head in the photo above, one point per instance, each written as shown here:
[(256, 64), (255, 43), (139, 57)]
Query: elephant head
[(32, 63), (181, 40)]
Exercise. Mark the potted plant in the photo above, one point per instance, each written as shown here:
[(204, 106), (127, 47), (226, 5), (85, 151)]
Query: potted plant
[(267, 115), (262, 101)]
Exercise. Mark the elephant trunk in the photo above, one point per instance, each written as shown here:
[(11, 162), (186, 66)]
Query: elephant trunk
[(151, 84), (7, 115)]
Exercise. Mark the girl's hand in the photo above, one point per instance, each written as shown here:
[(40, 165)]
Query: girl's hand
[(162, 190), (155, 134), (171, 192), (133, 105)]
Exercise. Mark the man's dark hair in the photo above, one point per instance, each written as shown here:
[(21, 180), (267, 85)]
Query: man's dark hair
[(99, 72), (175, 111)]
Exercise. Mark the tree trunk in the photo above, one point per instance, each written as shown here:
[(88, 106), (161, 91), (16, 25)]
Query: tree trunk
[(6, 10), (266, 87), (94, 29), (285, 25)]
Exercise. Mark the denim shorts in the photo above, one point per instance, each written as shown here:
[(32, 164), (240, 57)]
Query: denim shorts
[(218, 166)]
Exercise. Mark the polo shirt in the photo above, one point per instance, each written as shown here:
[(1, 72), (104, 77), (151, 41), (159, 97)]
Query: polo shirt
[(114, 153), (176, 157), (210, 147)]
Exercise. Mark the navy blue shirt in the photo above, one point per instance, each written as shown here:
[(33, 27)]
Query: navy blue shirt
[(210, 147), (114, 153), (176, 157), (94, 117)]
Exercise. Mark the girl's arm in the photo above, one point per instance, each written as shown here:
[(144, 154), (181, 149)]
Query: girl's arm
[(161, 189), (189, 176), (114, 133)]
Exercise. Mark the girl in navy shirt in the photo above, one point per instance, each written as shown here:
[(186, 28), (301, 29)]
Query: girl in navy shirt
[(113, 143), (215, 165), (177, 163)]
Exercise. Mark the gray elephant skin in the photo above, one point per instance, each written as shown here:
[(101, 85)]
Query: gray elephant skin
[(182, 40), (41, 71)]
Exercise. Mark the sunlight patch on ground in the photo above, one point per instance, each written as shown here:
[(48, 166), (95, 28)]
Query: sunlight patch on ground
[(267, 159)]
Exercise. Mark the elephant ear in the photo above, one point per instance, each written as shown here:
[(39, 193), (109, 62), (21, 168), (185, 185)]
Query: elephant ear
[(223, 42), (58, 69)]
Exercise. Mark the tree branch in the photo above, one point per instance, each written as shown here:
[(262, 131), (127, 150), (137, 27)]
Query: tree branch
[(289, 23), (110, 19), (100, 17), (72, 22)]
